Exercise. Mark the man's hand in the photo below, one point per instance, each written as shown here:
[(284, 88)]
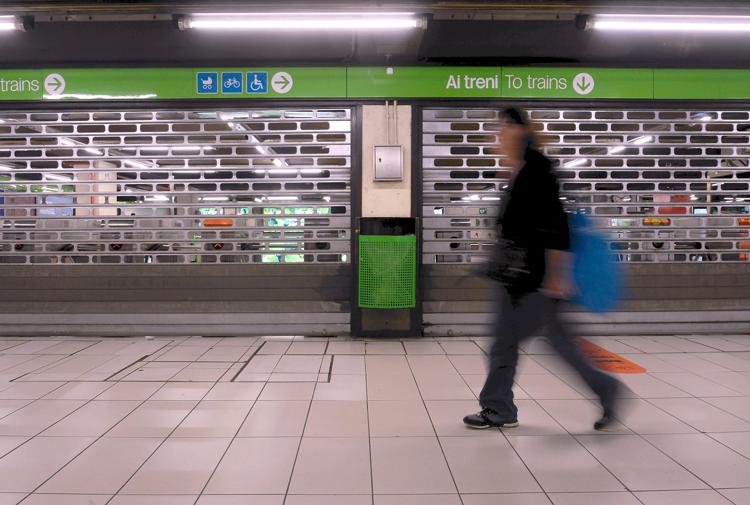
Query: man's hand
[(557, 281)]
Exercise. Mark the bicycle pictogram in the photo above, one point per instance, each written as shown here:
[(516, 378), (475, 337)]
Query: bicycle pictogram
[(232, 82)]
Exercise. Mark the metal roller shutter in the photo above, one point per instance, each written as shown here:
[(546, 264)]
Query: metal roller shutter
[(669, 186), (242, 206)]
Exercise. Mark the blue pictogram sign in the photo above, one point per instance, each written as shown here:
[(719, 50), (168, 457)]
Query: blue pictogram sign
[(257, 82), (207, 83), (231, 82)]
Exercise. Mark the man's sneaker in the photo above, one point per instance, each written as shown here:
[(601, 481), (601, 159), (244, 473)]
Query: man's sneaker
[(604, 421), (488, 418), (610, 407)]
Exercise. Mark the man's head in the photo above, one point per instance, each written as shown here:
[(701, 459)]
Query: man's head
[(515, 134)]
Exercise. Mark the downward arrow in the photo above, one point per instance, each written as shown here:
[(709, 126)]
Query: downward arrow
[(583, 85)]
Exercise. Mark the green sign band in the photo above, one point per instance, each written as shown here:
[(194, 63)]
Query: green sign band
[(373, 82)]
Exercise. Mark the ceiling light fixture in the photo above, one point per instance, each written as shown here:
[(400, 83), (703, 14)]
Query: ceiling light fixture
[(10, 23), (669, 23), (308, 21)]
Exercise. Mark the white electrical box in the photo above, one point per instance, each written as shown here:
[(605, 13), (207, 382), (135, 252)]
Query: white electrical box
[(389, 163)]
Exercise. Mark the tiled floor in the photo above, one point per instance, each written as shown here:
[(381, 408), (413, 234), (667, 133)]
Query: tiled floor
[(230, 421)]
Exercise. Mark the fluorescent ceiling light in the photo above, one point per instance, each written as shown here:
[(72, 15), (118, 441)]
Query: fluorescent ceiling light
[(215, 198), (9, 23), (322, 21), (643, 140), (670, 23)]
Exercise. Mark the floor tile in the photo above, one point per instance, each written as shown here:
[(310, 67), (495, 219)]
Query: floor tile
[(560, 464), (255, 466), (578, 416), (410, 466), (444, 387), (234, 391), (738, 442), (153, 500), (737, 496), (298, 364), (275, 347), (735, 381), (131, 391), (224, 354), (348, 365), (417, 347), (66, 499), (342, 387), (24, 469), (619, 498), (287, 391), (92, 420), (214, 419), (647, 386), (337, 419), (10, 406), (727, 360), (487, 465), (706, 497), (384, 348), (260, 363), (653, 363), (701, 415), (506, 499), (153, 419), (37, 416), (11, 498), (307, 348), (546, 387), (183, 391), (29, 390), (332, 466), (695, 385), (390, 378), (241, 500), (79, 391), (328, 500), (469, 364), (341, 348), (739, 407), (427, 499), (399, 419), (103, 468), (638, 464), (715, 464), (202, 372), (179, 466), (461, 347), (8, 444), (276, 419), (643, 417)]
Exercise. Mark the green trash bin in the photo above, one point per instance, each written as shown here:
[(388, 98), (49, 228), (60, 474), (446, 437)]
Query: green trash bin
[(387, 271)]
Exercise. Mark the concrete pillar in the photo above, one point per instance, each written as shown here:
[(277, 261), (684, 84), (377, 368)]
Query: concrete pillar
[(385, 199)]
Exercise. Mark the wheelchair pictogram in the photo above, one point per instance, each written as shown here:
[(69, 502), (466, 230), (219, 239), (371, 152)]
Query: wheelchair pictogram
[(257, 82)]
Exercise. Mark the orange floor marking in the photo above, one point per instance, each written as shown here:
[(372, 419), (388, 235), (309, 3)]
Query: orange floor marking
[(606, 360)]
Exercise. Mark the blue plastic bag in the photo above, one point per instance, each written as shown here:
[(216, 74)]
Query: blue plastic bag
[(599, 279)]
